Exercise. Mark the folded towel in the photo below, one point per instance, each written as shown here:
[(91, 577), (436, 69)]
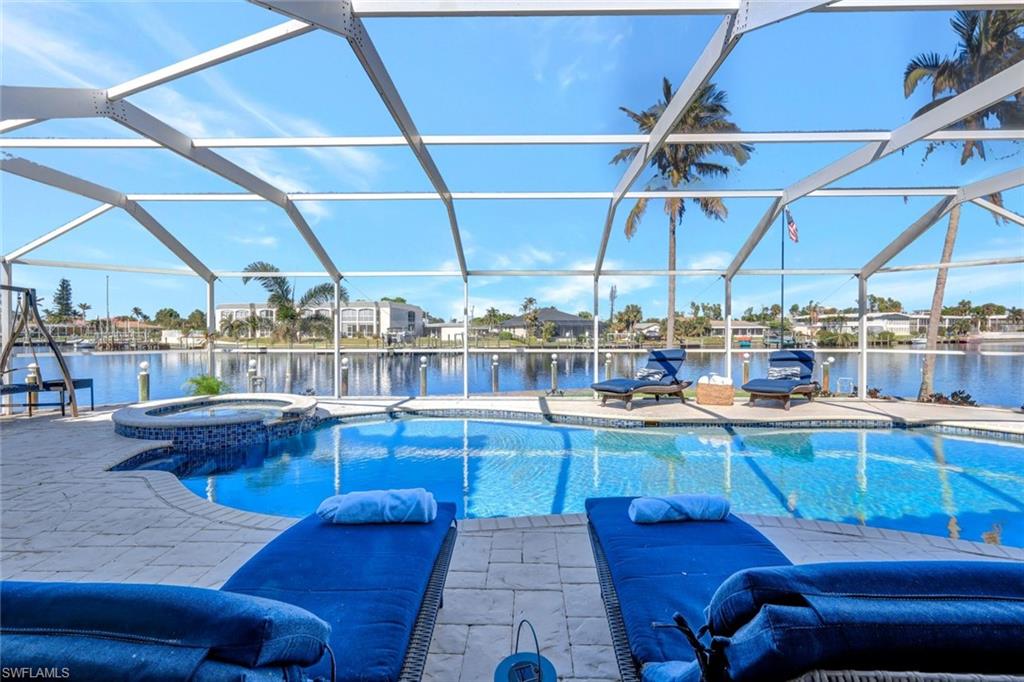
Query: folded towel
[(413, 505), (678, 508)]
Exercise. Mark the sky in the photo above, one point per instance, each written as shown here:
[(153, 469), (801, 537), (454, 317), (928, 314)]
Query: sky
[(485, 76)]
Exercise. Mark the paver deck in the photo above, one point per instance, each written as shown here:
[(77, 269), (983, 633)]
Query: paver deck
[(65, 517)]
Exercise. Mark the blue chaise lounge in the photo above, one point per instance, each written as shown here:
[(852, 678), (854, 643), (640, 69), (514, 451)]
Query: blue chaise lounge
[(321, 601), (661, 375), (746, 614), (790, 373)]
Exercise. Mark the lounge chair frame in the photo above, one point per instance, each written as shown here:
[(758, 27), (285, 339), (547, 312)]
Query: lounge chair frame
[(433, 599), (629, 670), (656, 391), (806, 390)]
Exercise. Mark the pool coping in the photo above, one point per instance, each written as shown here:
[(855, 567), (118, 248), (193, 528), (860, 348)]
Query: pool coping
[(880, 423), (138, 415)]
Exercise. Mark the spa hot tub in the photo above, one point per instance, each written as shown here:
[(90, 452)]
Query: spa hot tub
[(206, 423)]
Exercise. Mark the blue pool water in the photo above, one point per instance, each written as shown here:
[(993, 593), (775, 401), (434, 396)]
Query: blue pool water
[(915, 480)]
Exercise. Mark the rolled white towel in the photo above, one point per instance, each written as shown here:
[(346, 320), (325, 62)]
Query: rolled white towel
[(412, 505)]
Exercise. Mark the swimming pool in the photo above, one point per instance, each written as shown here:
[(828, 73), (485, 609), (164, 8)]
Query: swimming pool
[(267, 409), (915, 480)]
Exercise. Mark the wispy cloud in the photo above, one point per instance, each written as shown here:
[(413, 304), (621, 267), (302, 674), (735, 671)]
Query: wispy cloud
[(59, 55), (709, 260), (255, 240), (592, 43)]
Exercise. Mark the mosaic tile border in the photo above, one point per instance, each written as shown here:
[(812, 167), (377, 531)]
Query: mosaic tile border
[(612, 422), (205, 438)]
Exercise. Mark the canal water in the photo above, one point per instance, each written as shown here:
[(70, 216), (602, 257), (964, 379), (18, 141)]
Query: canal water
[(990, 378)]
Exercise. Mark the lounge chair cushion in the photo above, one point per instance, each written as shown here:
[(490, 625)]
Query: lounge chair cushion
[(773, 386), (367, 582), (623, 386), (942, 616), (193, 624), (783, 372), (659, 569), (801, 360)]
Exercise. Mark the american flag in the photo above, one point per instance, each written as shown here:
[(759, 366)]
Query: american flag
[(791, 224)]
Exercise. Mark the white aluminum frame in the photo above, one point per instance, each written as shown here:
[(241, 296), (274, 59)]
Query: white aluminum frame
[(338, 18), (794, 137), (70, 183), (20, 107)]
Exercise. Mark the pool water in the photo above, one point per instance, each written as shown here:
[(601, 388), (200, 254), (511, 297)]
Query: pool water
[(914, 480), (267, 409)]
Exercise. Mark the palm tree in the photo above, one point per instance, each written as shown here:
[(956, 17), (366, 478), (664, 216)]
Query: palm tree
[(292, 319), (83, 309), (531, 317), (989, 41), (680, 164), (232, 328)]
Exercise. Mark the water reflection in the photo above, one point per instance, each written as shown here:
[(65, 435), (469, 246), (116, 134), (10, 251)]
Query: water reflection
[(906, 480), (992, 380)]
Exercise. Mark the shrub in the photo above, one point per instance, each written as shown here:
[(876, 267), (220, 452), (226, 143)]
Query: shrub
[(960, 397), (204, 384)]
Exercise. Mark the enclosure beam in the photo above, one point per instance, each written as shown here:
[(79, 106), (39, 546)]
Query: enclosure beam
[(727, 311), (63, 229), (20, 101), (1000, 211), (522, 8), (976, 263), (986, 93), (6, 324), (338, 18), (862, 337), (299, 197), (337, 338), (70, 183), (465, 337), (597, 329), (908, 236), (104, 267), (204, 60), (971, 192), (211, 328), (748, 16), (791, 137)]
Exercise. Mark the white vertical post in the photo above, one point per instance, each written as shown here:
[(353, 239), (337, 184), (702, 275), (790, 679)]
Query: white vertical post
[(465, 338), (211, 328), (862, 337), (727, 310), (337, 338), (597, 333), (7, 322)]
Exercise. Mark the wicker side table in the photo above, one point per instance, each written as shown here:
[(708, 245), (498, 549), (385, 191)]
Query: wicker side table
[(715, 394)]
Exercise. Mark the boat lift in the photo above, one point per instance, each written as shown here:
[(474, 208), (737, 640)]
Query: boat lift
[(26, 314)]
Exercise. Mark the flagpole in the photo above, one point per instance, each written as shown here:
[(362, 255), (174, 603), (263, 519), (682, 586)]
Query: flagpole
[(782, 280)]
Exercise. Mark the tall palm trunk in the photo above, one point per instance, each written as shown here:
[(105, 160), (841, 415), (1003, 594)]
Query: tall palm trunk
[(935, 314), (671, 322)]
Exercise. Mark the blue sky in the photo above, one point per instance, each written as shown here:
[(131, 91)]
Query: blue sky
[(497, 76)]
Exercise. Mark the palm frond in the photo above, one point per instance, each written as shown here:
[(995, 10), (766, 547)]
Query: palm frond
[(636, 214), (920, 67), (626, 154), (321, 294), (276, 286)]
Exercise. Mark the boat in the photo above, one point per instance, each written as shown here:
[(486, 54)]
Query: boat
[(918, 341)]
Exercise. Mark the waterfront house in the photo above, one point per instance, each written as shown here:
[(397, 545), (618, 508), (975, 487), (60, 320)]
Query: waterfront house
[(566, 324), (358, 318)]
